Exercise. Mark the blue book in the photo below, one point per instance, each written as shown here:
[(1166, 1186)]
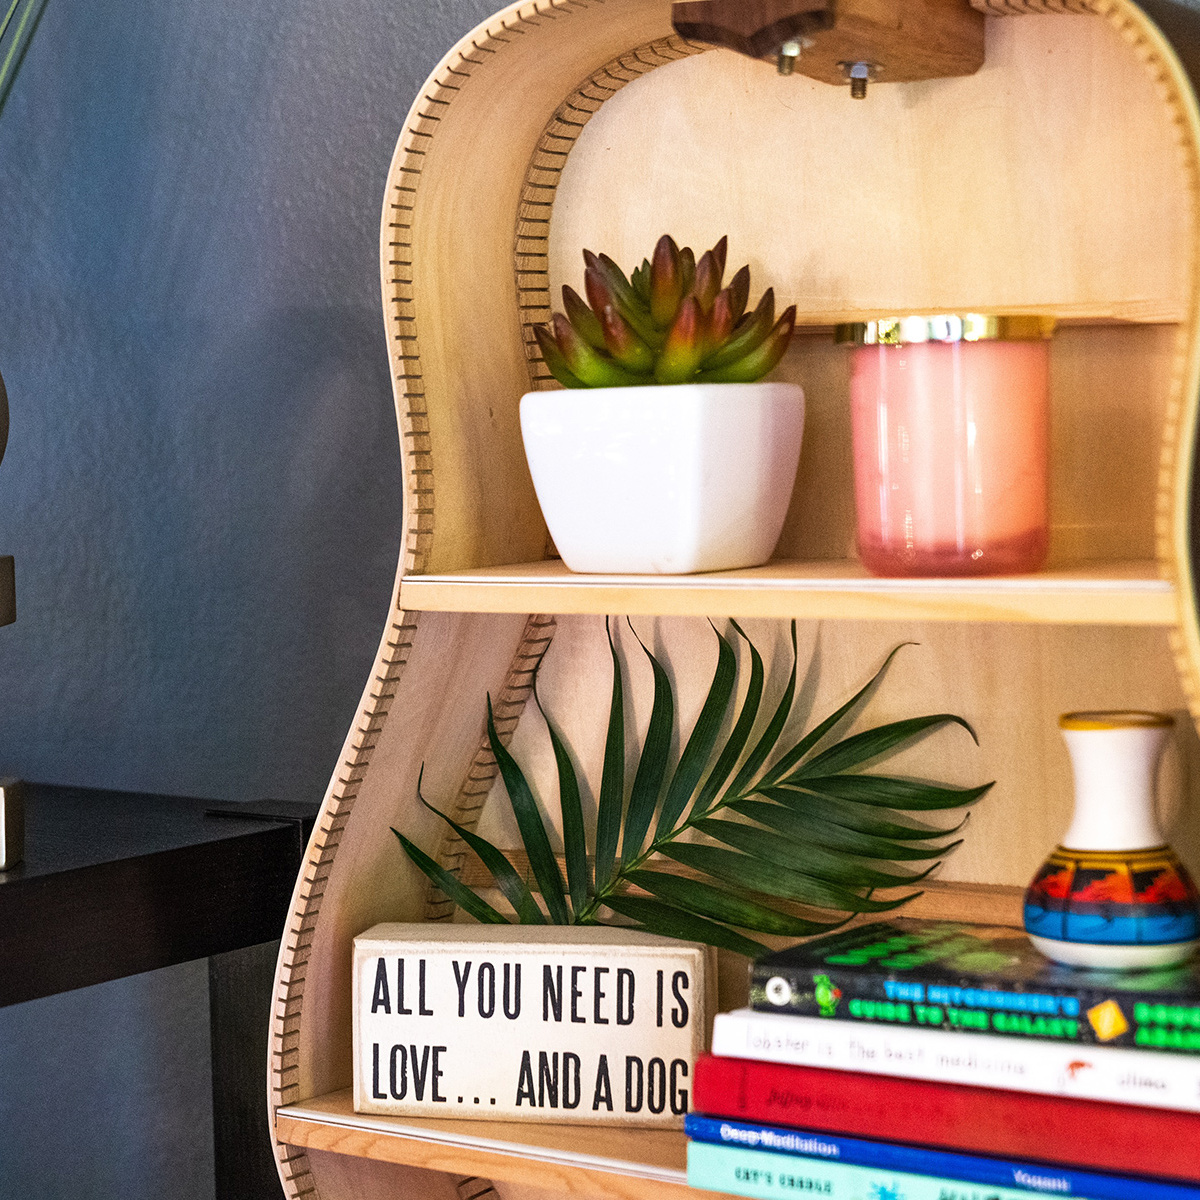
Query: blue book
[(915, 1160)]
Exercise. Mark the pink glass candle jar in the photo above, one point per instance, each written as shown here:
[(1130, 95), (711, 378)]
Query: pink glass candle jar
[(950, 422)]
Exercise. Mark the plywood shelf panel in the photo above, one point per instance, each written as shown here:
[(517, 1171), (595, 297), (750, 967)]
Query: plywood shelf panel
[(619, 1163), (1100, 593)]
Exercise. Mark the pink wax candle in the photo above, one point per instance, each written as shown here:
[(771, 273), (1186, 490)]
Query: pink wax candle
[(950, 418)]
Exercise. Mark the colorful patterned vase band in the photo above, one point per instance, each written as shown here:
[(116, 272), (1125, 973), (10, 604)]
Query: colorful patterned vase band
[(1113, 898)]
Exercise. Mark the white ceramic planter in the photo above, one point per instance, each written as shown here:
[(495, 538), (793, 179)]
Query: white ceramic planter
[(664, 480)]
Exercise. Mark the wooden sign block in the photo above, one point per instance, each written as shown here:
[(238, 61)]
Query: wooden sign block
[(540, 1023)]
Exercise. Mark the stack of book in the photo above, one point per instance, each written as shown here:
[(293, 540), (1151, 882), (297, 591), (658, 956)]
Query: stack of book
[(921, 1060)]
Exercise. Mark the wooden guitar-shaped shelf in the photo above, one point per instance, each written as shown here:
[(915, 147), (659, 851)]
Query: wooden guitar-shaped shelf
[(1060, 178)]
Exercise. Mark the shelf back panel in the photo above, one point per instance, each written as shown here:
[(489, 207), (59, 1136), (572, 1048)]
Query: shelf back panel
[(1050, 179)]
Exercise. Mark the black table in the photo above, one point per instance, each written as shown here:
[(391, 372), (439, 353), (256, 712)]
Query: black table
[(116, 883)]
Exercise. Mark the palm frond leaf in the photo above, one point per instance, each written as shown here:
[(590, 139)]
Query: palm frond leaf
[(533, 833), (700, 745), (720, 904), (740, 735), (807, 827), (889, 792), (656, 917), (862, 819), (771, 846), (652, 765), (805, 824), (612, 782), (774, 879), (17, 27), (872, 743), (574, 835), (508, 881), (454, 888)]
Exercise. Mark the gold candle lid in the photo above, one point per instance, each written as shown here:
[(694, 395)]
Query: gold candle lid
[(1118, 719), (945, 327)]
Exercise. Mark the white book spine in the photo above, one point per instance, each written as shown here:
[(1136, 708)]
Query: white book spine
[(1083, 1072)]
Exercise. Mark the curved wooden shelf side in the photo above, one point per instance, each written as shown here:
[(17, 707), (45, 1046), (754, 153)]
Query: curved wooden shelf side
[(529, 141)]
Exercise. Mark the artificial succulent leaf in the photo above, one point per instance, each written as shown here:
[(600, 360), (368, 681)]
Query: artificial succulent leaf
[(718, 326), (585, 322), (687, 268), (749, 333), (683, 348), (552, 356), (761, 360), (591, 366), (720, 253), (666, 282), (708, 280), (739, 293), (624, 344)]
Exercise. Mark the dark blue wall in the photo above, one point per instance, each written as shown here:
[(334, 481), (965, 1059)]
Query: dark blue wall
[(202, 486)]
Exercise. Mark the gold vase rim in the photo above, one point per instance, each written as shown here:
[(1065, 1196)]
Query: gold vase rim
[(1117, 719), (945, 327)]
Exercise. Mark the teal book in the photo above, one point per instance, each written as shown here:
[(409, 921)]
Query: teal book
[(767, 1176), (955, 977)]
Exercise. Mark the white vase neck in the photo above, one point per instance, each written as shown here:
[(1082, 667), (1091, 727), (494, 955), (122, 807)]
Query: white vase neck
[(1115, 772)]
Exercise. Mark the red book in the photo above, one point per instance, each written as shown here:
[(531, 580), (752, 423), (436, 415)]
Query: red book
[(1082, 1133)]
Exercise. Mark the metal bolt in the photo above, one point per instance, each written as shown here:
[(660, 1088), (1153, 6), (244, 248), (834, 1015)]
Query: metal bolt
[(788, 53), (860, 73)]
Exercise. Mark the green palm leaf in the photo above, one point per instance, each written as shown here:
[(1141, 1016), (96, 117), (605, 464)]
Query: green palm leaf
[(663, 919), (813, 831), (774, 728), (806, 743), (14, 40), (458, 891), (533, 833), (851, 815), (829, 865), (700, 745), (758, 875), (574, 834), (863, 747), (612, 782), (722, 905), (652, 766), (890, 792), (802, 826), (740, 734), (510, 883)]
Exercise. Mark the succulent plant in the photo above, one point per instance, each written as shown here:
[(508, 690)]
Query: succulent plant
[(671, 321)]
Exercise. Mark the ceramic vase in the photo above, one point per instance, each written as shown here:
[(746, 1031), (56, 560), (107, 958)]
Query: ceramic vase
[(1114, 895), (664, 480)]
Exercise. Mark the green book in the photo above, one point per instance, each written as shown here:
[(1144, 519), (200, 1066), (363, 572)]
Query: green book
[(759, 1173), (977, 979)]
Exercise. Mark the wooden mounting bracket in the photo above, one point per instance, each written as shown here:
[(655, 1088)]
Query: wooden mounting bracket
[(890, 41)]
